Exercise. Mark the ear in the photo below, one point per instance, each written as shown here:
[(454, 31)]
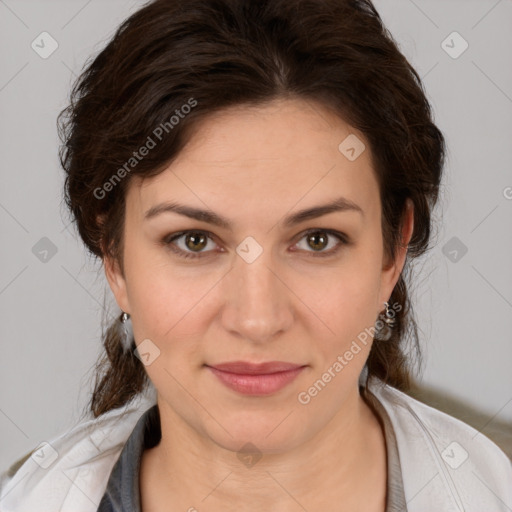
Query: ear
[(117, 282), (113, 273), (391, 270)]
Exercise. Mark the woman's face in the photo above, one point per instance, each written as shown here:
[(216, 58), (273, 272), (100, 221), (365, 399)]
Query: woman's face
[(258, 289)]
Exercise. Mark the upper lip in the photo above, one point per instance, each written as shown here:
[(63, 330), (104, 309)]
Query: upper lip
[(246, 368)]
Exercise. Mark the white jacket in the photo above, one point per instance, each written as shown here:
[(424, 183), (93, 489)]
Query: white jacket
[(447, 466)]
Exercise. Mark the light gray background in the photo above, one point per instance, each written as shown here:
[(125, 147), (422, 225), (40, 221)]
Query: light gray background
[(51, 311)]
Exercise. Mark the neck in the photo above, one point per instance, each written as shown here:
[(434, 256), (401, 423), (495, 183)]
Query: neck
[(342, 461)]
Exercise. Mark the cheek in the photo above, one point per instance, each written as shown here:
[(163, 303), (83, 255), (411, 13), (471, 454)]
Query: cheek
[(348, 311), (168, 311), (162, 294), (345, 299), (166, 306)]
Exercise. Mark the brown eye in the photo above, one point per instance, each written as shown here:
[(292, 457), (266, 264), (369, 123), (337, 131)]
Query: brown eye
[(194, 244), (317, 240), (195, 241), (189, 244)]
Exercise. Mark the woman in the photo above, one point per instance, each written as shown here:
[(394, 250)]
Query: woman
[(255, 177)]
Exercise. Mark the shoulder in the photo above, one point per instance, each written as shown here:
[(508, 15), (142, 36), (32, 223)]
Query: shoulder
[(446, 457), (69, 472)]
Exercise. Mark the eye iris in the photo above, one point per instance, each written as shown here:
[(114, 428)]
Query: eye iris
[(314, 237), (194, 238)]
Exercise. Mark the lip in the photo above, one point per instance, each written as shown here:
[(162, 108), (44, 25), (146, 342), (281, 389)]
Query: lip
[(246, 368), (256, 379)]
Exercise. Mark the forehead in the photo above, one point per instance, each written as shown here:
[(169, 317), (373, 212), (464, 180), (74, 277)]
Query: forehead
[(282, 154), (284, 129)]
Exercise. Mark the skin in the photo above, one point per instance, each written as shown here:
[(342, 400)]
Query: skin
[(255, 166)]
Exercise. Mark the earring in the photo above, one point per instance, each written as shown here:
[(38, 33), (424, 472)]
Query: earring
[(387, 323), (125, 332), (389, 316)]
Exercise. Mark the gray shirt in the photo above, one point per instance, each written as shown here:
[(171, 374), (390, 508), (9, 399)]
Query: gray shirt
[(123, 494)]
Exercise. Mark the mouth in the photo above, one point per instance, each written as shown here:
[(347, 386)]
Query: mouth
[(256, 379)]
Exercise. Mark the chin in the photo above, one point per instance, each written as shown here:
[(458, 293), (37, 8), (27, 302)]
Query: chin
[(271, 435), (256, 444)]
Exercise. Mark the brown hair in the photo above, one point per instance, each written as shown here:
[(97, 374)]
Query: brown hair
[(219, 53)]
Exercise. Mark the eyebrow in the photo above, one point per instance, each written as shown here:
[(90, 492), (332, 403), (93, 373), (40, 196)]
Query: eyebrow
[(338, 205)]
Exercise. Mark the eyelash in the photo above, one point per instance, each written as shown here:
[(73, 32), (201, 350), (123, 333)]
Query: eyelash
[(169, 239)]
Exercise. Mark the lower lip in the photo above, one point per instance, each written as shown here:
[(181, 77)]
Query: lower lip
[(256, 384)]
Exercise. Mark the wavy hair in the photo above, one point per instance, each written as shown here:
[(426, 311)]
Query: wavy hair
[(244, 52)]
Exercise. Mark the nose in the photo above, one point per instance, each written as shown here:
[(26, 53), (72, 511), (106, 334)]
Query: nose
[(259, 305)]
